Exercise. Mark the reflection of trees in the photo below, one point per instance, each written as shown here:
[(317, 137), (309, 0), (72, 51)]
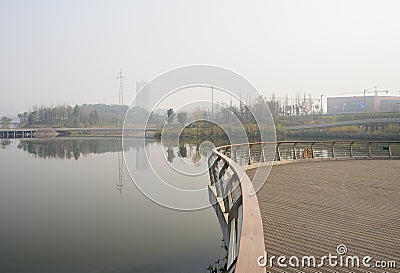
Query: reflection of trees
[(220, 265), (170, 154), (182, 151), (206, 149), (193, 151), (189, 150), (196, 156), (4, 143), (70, 148), (74, 148)]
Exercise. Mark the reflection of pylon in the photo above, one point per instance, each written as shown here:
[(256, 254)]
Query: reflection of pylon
[(120, 183)]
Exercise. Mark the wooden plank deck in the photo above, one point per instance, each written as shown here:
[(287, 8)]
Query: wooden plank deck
[(310, 208)]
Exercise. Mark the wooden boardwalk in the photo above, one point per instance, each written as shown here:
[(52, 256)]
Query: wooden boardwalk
[(309, 208)]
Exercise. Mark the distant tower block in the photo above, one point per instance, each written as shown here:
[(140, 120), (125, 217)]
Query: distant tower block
[(142, 99)]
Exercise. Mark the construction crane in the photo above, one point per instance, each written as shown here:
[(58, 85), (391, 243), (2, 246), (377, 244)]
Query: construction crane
[(380, 91)]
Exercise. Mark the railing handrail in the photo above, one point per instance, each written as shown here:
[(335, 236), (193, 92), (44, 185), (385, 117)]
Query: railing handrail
[(335, 146), (302, 141)]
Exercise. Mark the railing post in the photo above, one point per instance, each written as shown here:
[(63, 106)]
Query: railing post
[(229, 193), (333, 149), (278, 152), (369, 149), (262, 153), (249, 163), (351, 149), (390, 149), (294, 151), (218, 189), (215, 177), (239, 228), (312, 150), (210, 171), (225, 194), (235, 186), (232, 242)]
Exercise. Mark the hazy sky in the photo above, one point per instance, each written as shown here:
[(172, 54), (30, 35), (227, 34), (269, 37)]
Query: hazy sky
[(71, 51)]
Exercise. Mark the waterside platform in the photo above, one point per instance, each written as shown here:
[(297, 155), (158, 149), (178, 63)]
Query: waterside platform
[(310, 208)]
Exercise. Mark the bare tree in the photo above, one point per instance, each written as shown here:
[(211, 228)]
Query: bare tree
[(5, 122)]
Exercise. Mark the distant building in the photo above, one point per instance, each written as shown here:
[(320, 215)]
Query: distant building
[(142, 99), (358, 104)]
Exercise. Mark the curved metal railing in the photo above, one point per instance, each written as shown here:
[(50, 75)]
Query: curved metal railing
[(238, 211), (229, 192), (259, 152)]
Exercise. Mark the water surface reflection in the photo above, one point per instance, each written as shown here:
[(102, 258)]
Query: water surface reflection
[(66, 216)]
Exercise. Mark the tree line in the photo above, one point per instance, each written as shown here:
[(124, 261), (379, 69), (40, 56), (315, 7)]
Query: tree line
[(86, 115)]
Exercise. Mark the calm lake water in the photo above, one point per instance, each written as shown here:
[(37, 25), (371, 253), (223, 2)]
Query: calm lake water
[(63, 208)]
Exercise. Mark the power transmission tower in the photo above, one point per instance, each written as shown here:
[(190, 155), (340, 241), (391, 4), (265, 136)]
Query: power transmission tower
[(121, 78)]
